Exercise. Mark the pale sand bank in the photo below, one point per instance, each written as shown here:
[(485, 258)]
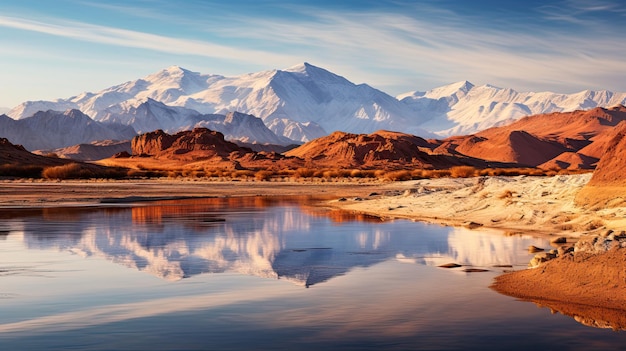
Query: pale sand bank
[(539, 205)]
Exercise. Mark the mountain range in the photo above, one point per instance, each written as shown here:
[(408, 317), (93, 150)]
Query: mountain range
[(306, 94), (53, 129)]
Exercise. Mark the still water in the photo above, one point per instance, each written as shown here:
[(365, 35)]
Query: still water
[(263, 273)]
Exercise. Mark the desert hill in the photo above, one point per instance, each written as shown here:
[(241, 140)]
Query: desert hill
[(607, 186), (16, 161), (93, 151), (562, 139), (354, 150), (12, 154)]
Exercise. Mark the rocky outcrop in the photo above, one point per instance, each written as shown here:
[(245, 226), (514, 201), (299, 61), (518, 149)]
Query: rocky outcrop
[(586, 245), (382, 149), (198, 143)]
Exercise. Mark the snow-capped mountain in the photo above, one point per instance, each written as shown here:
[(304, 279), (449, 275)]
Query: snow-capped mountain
[(244, 128), (149, 115), (462, 108), (302, 94), (297, 131), (152, 115), (53, 129), (305, 102)]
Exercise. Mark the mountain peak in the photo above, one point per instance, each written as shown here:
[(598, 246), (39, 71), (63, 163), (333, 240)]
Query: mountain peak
[(310, 70), (449, 90), (301, 67), (170, 73), (176, 69)]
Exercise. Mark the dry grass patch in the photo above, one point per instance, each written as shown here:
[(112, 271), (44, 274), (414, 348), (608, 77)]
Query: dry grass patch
[(20, 171), (82, 171), (463, 172)]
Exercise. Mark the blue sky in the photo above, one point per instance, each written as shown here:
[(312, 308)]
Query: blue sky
[(56, 49)]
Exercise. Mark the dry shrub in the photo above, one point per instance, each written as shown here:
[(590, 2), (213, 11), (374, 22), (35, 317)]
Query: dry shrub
[(304, 173), (68, 171), (329, 174), (398, 175), (356, 173), (263, 175), (21, 171), (78, 171), (463, 171), (417, 174), (436, 173), (368, 173), (135, 173), (244, 174)]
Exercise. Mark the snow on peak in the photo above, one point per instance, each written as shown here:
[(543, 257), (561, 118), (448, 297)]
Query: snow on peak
[(462, 87), (316, 73), (301, 67)]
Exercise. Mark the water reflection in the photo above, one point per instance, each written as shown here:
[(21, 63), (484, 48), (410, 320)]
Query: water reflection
[(254, 236), (372, 284), (591, 316)]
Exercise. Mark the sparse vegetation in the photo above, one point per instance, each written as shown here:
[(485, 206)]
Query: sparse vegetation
[(263, 175), (20, 171), (81, 171), (200, 170), (463, 172)]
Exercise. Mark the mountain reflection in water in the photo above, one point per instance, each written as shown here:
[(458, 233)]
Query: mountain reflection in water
[(181, 238), (372, 282)]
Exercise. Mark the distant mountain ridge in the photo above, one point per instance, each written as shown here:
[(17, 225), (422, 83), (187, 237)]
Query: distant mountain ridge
[(305, 102), (462, 108), (52, 129)]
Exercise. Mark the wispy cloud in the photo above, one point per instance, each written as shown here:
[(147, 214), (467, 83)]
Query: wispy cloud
[(99, 315), (408, 46), (140, 40), (447, 50)]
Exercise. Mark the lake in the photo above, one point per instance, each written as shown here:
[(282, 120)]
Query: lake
[(264, 273)]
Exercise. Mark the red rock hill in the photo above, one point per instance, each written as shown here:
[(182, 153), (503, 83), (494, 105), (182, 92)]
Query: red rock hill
[(200, 143)]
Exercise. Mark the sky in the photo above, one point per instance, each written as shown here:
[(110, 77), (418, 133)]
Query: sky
[(57, 49)]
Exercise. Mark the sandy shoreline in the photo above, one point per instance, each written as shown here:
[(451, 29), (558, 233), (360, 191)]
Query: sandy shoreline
[(534, 205), (77, 193)]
